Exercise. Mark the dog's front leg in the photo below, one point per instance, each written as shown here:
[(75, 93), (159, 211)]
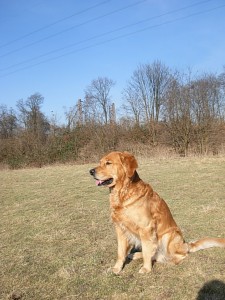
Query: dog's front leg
[(123, 248), (149, 246)]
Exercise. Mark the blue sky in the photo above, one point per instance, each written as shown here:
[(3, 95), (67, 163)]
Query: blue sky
[(57, 47)]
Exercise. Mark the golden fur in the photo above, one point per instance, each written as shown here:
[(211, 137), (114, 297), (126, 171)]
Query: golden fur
[(141, 218)]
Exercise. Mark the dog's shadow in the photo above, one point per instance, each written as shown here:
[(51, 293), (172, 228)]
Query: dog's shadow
[(129, 260), (212, 290), (132, 251)]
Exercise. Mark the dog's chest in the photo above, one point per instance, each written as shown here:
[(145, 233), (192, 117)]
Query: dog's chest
[(123, 218), (129, 228), (133, 238), (130, 216)]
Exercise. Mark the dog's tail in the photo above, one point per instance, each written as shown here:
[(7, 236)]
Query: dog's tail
[(206, 243)]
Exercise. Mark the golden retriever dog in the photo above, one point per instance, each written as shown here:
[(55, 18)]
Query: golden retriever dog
[(142, 219)]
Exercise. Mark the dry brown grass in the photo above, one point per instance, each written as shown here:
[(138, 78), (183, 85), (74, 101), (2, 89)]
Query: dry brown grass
[(57, 241)]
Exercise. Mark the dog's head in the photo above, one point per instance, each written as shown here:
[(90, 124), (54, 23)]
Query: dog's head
[(114, 168)]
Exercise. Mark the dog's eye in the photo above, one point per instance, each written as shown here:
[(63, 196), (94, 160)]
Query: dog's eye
[(108, 163)]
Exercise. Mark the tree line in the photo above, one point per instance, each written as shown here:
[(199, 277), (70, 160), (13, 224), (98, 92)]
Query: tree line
[(162, 109)]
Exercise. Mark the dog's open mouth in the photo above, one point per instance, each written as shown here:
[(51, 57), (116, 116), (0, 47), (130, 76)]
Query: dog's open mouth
[(104, 182)]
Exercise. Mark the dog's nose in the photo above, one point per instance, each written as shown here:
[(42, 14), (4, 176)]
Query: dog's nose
[(92, 172)]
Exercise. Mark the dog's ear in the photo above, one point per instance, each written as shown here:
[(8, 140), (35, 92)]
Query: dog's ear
[(129, 163)]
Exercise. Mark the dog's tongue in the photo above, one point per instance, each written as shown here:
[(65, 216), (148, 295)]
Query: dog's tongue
[(98, 182)]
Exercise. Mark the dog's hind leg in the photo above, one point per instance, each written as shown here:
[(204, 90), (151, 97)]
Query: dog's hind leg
[(135, 255)]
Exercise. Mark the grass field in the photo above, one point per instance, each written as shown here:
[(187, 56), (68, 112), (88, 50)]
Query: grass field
[(57, 240)]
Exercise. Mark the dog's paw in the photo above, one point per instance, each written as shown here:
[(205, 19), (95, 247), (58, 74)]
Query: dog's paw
[(144, 270), (116, 270), (136, 255)]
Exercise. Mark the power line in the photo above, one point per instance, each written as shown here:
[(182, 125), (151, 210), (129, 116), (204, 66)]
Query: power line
[(106, 33), (52, 24), (73, 27), (103, 34), (113, 39)]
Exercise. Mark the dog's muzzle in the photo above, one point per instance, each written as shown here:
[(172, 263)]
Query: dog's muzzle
[(98, 181)]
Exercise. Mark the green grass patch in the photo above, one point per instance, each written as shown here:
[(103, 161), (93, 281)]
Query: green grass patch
[(57, 240)]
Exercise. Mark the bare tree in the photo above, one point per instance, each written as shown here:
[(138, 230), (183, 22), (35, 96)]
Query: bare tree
[(177, 113), (74, 115), (207, 106), (221, 79), (90, 110), (132, 105), (159, 78), (194, 111), (98, 97), (8, 122), (148, 87), (31, 116)]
